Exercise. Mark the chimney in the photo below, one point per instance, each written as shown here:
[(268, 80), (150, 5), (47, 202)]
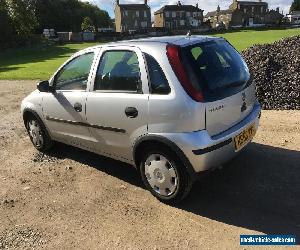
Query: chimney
[(197, 6), (117, 2), (218, 9), (145, 2), (277, 9), (178, 3)]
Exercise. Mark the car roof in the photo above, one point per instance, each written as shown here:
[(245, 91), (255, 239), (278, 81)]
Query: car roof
[(177, 40)]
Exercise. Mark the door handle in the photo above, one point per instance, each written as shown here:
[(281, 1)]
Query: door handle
[(131, 112), (78, 107)]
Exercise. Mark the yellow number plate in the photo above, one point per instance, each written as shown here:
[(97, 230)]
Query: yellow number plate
[(244, 137)]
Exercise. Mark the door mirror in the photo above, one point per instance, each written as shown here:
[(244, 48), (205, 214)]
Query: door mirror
[(44, 86)]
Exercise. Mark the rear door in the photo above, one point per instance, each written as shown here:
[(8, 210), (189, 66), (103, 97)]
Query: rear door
[(117, 104)]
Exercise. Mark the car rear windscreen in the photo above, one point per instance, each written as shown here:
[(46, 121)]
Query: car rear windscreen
[(216, 69)]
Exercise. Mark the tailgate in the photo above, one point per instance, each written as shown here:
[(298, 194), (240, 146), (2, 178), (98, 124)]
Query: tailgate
[(225, 113)]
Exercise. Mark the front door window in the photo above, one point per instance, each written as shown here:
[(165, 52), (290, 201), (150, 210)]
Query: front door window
[(74, 75)]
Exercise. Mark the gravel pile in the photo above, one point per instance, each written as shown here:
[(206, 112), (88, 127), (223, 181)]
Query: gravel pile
[(21, 238), (276, 71)]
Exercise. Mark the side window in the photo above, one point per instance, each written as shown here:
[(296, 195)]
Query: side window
[(74, 75), (118, 71), (158, 81)]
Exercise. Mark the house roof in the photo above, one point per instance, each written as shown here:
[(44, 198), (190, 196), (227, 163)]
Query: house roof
[(190, 8), (134, 6), (221, 12), (252, 3)]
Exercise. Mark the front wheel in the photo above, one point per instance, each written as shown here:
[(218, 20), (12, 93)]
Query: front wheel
[(164, 175), (38, 134)]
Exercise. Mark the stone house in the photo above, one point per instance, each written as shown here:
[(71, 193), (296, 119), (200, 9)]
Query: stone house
[(178, 17), (244, 14), (294, 17), (132, 17)]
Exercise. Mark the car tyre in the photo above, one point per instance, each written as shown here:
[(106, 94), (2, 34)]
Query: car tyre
[(164, 175), (38, 134)]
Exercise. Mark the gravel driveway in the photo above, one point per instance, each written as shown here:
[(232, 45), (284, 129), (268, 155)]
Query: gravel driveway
[(70, 198)]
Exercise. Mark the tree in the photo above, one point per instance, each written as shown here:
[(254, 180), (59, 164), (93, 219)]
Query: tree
[(87, 24), (295, 6), (68, 15), (22, 14), (6, 25)]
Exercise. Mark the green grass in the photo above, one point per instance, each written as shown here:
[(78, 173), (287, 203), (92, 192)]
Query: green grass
[(41, 62), (36, 62), (246, 38)]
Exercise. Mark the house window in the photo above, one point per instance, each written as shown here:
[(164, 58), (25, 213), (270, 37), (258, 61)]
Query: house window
[(253, 9), (262, 9), (144, 24), (125, 13), (182, 22), (145, 13), (173, 14), (188, 14), (135, 23), (194, 14), (167, 14), (137, 13), (245, 10)]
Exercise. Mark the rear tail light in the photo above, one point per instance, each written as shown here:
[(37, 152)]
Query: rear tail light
[(173, 53)]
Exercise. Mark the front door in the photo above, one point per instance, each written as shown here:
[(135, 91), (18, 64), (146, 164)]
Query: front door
[(64, 109), (117, 104)]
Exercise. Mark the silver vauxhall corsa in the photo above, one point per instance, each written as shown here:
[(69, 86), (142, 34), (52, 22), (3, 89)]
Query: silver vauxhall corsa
[(173, 106)]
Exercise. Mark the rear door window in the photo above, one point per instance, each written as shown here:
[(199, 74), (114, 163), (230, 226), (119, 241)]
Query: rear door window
[(118, 71)]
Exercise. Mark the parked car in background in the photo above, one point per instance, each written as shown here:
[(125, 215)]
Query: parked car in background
[(174, 107)]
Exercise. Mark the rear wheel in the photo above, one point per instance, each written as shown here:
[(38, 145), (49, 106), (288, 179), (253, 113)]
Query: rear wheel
[(38, 134), (164, 175)]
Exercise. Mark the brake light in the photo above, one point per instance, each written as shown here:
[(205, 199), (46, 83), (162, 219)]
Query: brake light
[(173, 53)]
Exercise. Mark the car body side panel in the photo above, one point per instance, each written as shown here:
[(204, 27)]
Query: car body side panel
[(175, 112), (112, 129), (62, 119)]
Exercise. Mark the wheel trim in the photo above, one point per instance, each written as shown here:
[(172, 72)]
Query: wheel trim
[(35, 133), (161, 175)]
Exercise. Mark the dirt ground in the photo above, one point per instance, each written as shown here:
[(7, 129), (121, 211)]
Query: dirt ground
[(74, 199)]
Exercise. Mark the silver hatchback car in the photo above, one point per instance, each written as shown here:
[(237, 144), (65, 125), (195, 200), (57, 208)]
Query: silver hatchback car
[(173, 106)]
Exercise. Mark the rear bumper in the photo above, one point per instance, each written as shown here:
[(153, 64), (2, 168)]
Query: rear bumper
[(205, 152)]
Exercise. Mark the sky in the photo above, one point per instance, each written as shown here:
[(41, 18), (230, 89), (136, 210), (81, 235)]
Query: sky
[(206, 5)]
